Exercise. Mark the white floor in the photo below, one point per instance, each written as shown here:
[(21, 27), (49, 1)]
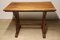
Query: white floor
[(7, 31)]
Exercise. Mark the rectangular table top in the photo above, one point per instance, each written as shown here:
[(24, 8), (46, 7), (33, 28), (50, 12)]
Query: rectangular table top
[(30, 7)]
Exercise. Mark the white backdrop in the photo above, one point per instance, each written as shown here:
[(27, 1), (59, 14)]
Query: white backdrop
[(9, 15)]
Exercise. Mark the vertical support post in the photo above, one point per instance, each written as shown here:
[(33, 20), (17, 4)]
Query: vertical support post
[(18, 26), (44, 25)]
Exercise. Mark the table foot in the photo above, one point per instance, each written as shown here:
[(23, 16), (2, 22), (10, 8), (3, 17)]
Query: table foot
[(16, 35), (44, 35), (17, 31)]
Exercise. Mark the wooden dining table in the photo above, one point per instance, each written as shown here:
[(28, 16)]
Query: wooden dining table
[(17, 7)]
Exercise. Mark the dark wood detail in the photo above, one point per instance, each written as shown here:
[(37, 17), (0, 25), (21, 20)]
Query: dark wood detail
[(44, 25), (18, 26)]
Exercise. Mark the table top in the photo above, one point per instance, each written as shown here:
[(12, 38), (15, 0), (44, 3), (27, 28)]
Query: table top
[(30, 7)]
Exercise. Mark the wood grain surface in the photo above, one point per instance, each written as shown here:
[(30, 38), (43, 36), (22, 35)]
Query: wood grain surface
[(30, 6)]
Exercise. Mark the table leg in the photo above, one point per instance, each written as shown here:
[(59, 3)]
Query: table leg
[(44, 28), (18, 26)]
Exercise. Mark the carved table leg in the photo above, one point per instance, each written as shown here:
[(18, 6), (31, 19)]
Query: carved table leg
[(18, 26), (44, 25)]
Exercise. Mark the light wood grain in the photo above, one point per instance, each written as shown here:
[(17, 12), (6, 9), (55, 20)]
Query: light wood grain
[(30, 6)]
